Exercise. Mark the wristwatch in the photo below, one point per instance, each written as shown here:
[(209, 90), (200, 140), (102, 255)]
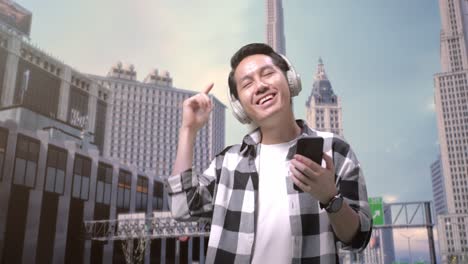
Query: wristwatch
[(334, 205)]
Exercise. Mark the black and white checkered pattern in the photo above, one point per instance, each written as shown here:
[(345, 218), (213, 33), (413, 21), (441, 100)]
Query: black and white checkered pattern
[(226, 193)]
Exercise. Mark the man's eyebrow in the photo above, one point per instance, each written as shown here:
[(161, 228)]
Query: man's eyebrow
[(248, 76)]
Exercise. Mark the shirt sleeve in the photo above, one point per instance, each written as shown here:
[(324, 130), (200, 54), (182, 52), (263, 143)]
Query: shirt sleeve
[(351, 184), (190, 194)]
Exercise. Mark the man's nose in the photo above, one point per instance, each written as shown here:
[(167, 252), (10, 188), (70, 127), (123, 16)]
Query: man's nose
[(261, 87)]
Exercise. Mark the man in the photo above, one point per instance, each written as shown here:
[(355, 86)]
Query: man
[(256, 214)]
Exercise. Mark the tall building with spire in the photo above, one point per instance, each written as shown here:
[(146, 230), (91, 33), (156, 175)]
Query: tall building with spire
[(323, 105), (275, 26), (451, 101)]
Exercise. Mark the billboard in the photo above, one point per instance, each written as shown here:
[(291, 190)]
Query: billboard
[(15, 16)]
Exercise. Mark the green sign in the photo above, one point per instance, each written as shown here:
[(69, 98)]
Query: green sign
[(376, 209)]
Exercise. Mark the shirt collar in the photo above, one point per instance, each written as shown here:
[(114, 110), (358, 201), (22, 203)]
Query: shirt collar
[(252, 139)]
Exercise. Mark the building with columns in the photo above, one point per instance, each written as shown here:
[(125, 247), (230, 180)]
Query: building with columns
[(323, 107)]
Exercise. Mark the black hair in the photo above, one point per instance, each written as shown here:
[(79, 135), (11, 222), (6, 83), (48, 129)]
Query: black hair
[(253, 49)]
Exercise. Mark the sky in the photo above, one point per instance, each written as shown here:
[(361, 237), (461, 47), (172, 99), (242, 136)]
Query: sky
[(380, 57)]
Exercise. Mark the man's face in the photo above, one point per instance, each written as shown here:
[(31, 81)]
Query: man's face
[(262, 89)]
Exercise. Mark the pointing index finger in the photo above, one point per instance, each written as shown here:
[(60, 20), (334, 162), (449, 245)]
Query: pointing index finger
[(208, 88)]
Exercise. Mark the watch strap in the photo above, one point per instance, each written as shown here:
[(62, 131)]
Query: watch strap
[(328, 206)]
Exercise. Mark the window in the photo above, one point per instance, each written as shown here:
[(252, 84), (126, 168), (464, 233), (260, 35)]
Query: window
[(3, 145), (55, 170), (81, 177), (123, 189), (141, 194), (158, 196), (104, 184), (27, 154)]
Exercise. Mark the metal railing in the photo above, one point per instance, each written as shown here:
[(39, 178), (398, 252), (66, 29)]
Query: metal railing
[(150, 228)]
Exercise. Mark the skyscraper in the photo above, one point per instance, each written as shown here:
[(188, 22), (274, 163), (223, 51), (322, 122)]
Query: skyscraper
[(323, 106), (438, 187), (451, 95), (275, 26)]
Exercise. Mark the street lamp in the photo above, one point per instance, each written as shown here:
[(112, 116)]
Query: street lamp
[(409, 246)]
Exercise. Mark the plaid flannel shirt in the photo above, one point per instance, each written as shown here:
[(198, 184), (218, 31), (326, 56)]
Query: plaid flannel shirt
[(227, 194)]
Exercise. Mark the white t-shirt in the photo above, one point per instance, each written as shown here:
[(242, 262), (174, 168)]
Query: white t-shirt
[(273, 233)]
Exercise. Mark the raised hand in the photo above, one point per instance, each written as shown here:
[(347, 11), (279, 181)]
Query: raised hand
[(196, 110)]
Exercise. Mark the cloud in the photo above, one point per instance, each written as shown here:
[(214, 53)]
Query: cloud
[(430, 105), (390, 198), (195, 51)]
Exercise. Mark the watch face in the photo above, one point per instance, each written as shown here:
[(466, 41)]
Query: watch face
[(335, 204)]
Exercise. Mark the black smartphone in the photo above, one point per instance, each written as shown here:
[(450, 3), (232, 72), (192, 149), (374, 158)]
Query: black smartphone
[(312, 148)]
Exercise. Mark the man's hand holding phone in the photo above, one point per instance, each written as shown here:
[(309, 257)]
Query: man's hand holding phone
[(307, 172)]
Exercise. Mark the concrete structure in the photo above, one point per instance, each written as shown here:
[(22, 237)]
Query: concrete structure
[(146, 117), (42, 93), (451, 101), (323, 107), (275, 26)]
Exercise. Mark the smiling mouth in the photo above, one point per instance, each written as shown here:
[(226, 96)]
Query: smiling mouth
[(265, 99)]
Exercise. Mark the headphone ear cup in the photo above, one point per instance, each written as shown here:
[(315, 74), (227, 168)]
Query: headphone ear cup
[(238, 110), (294, 79)]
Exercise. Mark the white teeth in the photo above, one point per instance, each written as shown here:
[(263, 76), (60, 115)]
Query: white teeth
[(268, 97)]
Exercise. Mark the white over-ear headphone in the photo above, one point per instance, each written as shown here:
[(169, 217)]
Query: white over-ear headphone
[(295, 86)]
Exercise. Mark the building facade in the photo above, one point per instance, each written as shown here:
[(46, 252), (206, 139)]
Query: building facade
[(70, 105), (451, 101), (438, 188), (49, 187), (275, 26), (323, 107), (146, 117), (452, 232)]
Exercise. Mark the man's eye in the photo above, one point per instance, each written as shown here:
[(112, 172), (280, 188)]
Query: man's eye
[(246, 85), (268, 73)]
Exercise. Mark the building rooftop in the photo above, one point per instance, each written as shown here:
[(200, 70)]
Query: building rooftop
[(322, 91)]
